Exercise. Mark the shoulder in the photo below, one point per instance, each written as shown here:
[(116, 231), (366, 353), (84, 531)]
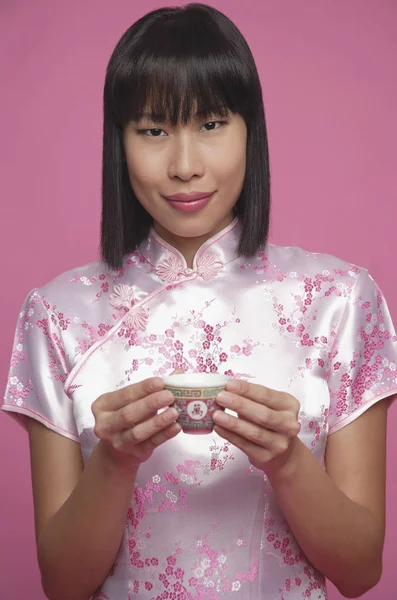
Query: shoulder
[(75, 279), (314, 267), (83, 284), (73, 287), (80, 294)]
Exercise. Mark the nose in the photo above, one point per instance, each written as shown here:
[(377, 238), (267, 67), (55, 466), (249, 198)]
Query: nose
[(185, 159)]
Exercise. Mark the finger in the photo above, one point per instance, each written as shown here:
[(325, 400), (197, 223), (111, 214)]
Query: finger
[(257, 454), (130, 393), (280, 421), (178, 372), (259, 436), (145, 430), (258, 393), (110, 422), (146, 448)]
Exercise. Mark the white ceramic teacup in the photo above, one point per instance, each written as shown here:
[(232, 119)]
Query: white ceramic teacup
[(195, 398)]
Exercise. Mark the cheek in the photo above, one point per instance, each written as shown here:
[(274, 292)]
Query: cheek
[(232, 170), (141, 170)]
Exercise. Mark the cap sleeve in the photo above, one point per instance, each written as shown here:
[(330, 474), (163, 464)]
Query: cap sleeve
[(38, 370), (364, 356)]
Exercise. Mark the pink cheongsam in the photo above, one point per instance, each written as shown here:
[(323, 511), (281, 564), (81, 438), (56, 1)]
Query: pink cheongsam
[(203, 524)]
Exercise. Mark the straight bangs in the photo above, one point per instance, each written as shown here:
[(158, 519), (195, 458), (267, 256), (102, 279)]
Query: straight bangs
[(180, 69)]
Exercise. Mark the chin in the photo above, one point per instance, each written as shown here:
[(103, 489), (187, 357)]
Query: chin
[(194, 226), (194, 231)]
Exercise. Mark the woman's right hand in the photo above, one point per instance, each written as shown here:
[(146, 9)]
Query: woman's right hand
[(127, 423)]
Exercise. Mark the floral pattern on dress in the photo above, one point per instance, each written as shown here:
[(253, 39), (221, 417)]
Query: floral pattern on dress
[(171, 492), (298, 324), (50, 328), (263, 266), (316, 426), (206, 353), (100, 282), (91, 336), (209, 577), (365, 372), (280, 543)]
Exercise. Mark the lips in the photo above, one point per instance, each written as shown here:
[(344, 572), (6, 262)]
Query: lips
[(191, 197), (189, 203)]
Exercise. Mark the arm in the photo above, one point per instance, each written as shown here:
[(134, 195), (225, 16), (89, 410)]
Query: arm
[(338, 516), (80, 513)]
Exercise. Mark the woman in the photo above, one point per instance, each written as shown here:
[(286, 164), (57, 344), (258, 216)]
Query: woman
[(289, 489)]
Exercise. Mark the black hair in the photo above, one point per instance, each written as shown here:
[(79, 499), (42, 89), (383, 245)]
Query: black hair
[(173, 61)]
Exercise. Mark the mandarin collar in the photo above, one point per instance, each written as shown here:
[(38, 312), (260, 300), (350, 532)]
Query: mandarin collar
[(209, 260)]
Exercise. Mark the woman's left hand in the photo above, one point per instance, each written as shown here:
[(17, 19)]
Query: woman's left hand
[(267, 425)]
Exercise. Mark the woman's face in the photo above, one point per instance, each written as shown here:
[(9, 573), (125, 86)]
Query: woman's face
[(202, 157)]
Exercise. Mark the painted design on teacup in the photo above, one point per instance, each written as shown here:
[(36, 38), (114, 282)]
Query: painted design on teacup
[(196, 407), (196, 410)]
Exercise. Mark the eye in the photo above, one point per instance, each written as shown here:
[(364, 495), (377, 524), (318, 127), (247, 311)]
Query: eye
[(152, 132), (212, 125)]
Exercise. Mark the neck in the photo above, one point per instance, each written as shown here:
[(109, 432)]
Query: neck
[(188, 246)]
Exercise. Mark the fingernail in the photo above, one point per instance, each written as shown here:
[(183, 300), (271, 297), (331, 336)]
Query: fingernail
[(233, 386), (224, 399), (220, 417), (156, 383), (172, 414), (166, 398)]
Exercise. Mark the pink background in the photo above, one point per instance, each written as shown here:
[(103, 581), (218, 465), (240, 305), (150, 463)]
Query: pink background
[(330, 90)]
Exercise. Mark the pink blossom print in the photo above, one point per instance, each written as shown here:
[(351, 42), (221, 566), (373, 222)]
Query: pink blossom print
[(360, 373)]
